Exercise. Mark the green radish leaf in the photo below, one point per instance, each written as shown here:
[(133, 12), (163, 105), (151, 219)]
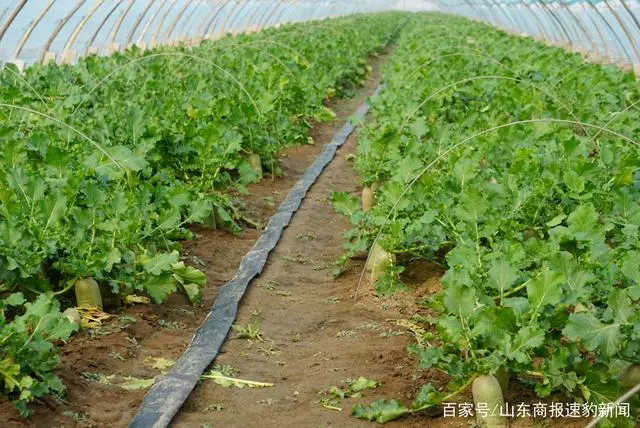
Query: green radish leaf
[(54, 210), (11, 375), (392, 192), (134, 383), (127, 159), (345, 204), (363, 383), (556, 220), (519, 305), (502, 275), (459, 297), (15, 299), (620, 309), (160, 287), (428, 396), (169, 220), (161, 263), (199, 211), (113, 258), (529, 337), (496, 325), (545, 289), (419, 127), (380, 411), (598, 390), (631, 266), (224, 215), (248, 174), (338, 392), (594, 334), (581, 223), (28, 351), (574, 181), (189, 273)]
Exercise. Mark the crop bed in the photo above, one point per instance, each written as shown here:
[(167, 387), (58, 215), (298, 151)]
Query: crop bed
[(514, 166)]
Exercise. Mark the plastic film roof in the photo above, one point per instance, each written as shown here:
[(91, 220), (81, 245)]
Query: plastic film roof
[(43, 30), (607, 28), (63, 30)]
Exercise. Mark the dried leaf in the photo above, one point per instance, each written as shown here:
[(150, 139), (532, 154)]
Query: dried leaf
[(133, 298), (134, 383), (92, 317), (159, 363), (227, 381)]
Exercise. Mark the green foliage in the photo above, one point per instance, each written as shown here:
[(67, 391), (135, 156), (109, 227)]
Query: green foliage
[(28, 353), (345, 204), (116, 156), (538, 222), (353, 389), (380, 411)]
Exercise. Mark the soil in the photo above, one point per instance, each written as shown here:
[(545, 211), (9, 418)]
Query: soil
[(312, 333)]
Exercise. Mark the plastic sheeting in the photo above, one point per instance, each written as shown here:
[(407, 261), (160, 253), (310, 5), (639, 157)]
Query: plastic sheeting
[(63, 30), (608, 28), (43, 30)]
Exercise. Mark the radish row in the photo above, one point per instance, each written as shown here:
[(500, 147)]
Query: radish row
[(515, 166)]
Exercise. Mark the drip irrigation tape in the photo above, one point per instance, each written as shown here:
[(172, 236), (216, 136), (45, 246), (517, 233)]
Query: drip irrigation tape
[(167, 395)]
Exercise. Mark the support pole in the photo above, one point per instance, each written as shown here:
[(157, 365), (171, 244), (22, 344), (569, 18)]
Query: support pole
[(626, 32), (11, 18), (29, 30), (136, 24), (149, 22), (161, 24), (179, 15), (119, 21), (76, 31), (102, 24), (58, 28)]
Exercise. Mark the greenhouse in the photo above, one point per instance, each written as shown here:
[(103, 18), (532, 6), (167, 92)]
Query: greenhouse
[(305, 213)]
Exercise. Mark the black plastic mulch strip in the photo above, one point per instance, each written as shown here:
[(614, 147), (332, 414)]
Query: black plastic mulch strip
[(168, 394)]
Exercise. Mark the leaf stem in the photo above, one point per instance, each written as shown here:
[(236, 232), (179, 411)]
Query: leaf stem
[(447, 397), (65, 289), (31, 335), (514, 290)]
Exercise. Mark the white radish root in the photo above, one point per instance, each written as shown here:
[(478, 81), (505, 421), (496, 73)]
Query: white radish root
[(88, 293), (487, 394), (379, 262), (368, 199), (630, 376), (256, 163)]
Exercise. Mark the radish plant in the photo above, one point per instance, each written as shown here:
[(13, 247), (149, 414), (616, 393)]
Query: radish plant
[(516, 168)]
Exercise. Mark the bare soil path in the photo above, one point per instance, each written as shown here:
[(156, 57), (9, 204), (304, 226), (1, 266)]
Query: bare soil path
[(314, 335)]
